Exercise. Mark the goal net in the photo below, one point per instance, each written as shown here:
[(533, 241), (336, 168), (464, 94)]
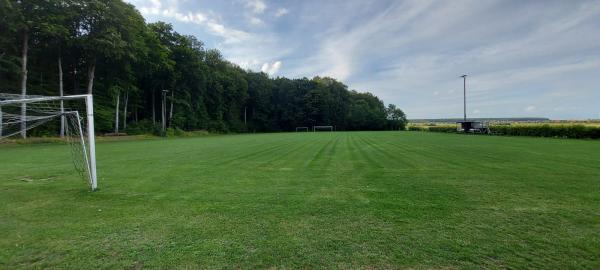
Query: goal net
[(303, 129), (19, 114), (322, 128)]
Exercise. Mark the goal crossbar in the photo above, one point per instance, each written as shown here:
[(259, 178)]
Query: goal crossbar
[(39, 99), (89, 156)]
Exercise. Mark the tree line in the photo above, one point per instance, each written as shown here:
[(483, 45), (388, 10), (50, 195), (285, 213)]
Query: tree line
[(105, 48)]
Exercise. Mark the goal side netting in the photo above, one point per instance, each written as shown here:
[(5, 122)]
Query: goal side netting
[(40, 114)]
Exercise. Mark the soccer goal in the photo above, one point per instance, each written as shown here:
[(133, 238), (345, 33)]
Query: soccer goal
[(323, 128), (304, 129), (20, 113)]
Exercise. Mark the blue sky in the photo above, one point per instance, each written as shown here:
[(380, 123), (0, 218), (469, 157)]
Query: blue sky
[(523, 58)]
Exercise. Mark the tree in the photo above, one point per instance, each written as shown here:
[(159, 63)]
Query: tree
[(8, 29), (367, 112), (25, 17), (55, 36), (258, 104), (107, 31), (396, 118), (159, 68)]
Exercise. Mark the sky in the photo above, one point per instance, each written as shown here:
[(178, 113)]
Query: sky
[(523, 58)]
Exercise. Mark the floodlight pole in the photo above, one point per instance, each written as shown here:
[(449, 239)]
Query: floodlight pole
[(465, 96)]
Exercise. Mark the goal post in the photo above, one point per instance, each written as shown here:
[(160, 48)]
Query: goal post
[(322, 128), (89, 104), (305, 129), (43, 109)]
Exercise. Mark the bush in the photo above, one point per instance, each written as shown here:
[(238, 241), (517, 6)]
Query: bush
[(446, 129), (170, 132), (557, 131), (142, 127), (176, 132), (416, 128)]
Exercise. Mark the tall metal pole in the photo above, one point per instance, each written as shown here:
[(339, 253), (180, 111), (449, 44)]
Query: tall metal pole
[(465, 96)]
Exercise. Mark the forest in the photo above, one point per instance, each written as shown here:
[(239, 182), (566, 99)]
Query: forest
[(105, 48)]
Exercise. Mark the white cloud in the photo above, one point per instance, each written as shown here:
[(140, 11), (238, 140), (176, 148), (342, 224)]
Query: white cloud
[(229, 35), (530, 108), (476, 111), (257, 6), (342, 49), (281, 11), (210, 23), (248, 64), (271, 68), (436, 93), (255, 21)]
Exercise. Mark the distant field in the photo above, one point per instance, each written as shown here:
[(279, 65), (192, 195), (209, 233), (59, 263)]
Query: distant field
[(304, 200)]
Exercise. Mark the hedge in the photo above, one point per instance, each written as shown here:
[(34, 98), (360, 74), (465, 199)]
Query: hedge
[(416, 128), (557, 131), (560, 131), (446, 129)]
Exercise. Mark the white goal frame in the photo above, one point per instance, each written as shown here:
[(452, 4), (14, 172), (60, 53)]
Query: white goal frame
[(89, 102), (302, 129), (315, 128)]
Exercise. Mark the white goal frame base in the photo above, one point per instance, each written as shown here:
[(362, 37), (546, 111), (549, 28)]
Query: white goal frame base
[(89, 102)]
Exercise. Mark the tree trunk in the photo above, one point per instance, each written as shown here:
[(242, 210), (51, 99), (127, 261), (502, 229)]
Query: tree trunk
[(75, 83), (164, 111), (91, 70), (153, 108), (1, 56), (61, 93), (125, 110), (24, 83), (171, 110), (117, 114)]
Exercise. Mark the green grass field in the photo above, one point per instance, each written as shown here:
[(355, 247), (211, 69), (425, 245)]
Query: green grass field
[(302, 200)]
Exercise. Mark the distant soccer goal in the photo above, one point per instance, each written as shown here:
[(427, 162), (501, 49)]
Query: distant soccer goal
[(323, 128), (301, 129), (20, 113)]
